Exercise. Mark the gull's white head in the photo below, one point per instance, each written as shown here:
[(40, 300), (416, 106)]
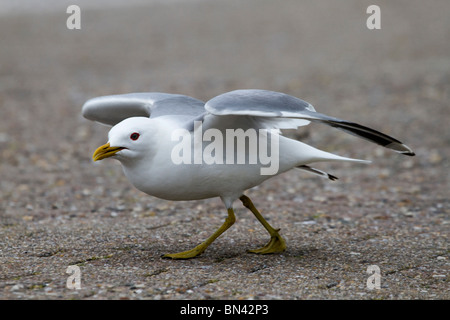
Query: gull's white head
[(127, 140)]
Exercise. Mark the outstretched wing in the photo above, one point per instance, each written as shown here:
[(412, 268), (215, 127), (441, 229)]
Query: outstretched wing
[(112, 109), (269, 104)]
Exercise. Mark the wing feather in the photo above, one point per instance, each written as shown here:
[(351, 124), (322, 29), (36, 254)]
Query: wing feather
[(263, 103), (112, 109)]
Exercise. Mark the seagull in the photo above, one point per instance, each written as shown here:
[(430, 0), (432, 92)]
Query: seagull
[(176, 147)]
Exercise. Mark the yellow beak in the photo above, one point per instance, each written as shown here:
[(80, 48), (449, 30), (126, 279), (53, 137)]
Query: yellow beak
[(105, 151)]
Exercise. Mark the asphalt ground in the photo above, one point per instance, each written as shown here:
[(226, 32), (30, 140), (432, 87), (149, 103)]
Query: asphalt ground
[(59, 209)]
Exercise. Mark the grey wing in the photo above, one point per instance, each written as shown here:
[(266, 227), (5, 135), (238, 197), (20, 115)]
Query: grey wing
[(269, 104), (112, 109)]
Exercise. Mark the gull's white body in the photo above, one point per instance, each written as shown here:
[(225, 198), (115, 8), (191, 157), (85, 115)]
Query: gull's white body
[(154, 172)]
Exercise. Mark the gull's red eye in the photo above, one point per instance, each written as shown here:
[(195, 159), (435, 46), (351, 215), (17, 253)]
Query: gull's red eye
[(134, 136)]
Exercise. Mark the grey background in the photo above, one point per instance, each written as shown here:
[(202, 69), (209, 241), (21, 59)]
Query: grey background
[(58, 208)]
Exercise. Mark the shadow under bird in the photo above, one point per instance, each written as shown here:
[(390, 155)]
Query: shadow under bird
[(142, 139)]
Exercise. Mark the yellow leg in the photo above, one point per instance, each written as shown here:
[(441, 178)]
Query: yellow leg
[(276, 243), (229, 221)]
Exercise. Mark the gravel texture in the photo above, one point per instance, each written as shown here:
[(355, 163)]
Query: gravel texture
[(58, 208)]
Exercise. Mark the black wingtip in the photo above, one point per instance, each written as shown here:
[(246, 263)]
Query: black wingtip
[(332, 178), (411, 154), (401, 148), (369, 134)]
